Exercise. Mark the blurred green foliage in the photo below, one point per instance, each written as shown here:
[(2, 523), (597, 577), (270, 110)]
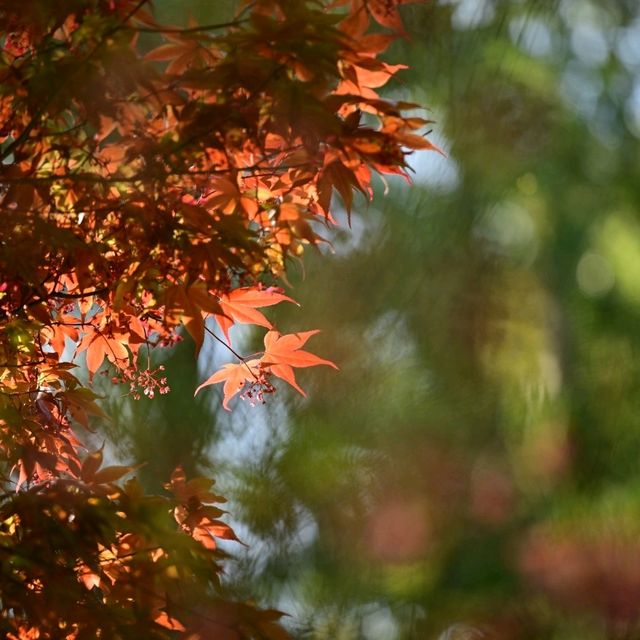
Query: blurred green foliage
[(474, 468)]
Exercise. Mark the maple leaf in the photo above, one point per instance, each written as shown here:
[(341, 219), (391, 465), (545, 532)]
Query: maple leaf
[(56, 335), (385, 12), (169, 622), (283, 352), (187, 304), (240, 305), (99, 346), (87, 576), (337, 175), (91, 473), (234, 376), (205, 529)]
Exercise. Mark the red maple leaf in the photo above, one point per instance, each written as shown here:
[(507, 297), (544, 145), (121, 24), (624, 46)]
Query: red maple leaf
[(385, 12)]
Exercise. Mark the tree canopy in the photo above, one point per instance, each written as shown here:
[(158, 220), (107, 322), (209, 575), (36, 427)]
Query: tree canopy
[(157, 177)]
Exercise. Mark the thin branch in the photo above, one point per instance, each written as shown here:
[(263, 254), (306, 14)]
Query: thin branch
[(233, 351), (183, 30), (255, 171), (78, 296), (20, 393), (30, 363), (128, 17), (61, 295)]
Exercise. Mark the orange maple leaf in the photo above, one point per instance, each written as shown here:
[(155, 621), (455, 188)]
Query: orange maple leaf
[(234, 377), (168, 622), (240, 305), (283, 352), (98, 346)]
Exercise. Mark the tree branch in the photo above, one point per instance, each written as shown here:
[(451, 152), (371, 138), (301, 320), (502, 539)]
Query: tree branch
[(185, 30)]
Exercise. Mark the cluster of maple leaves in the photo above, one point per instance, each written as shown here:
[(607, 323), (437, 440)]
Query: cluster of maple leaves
[(151, 178)]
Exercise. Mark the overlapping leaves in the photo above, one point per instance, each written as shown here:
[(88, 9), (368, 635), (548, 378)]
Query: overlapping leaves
[(145, 190)]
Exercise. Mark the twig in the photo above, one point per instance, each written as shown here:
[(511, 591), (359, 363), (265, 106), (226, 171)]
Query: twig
[(233, 351), (181, 30)]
